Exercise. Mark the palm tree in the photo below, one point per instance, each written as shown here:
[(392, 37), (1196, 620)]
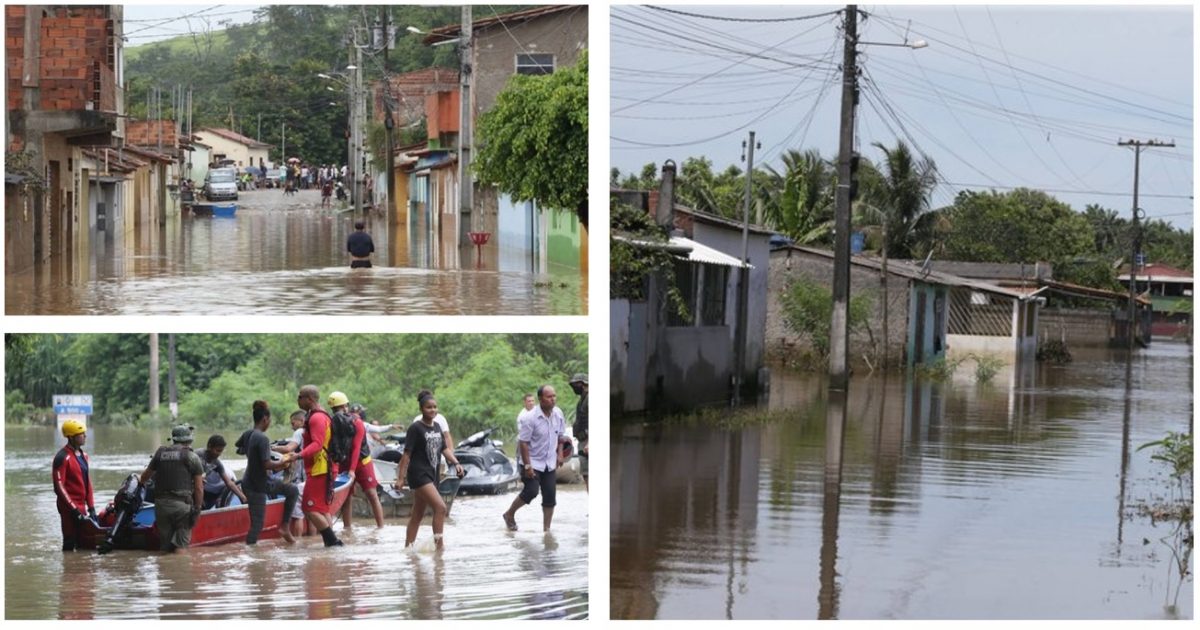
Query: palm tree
[(1109, 230), (895, 200), (799, 203)]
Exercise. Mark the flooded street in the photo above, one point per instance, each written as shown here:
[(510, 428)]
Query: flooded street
[(484, 572), (1016, 499), (284, 255)]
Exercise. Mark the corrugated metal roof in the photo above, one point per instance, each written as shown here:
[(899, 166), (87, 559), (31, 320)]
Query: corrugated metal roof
[(702, 253)]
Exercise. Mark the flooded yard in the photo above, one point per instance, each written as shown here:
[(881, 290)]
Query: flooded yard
[(909, 500)]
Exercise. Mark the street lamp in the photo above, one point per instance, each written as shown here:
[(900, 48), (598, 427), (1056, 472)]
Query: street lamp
[(413, 29), (920, 43)]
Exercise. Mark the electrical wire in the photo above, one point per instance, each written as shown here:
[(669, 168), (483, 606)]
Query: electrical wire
[(798, 18)]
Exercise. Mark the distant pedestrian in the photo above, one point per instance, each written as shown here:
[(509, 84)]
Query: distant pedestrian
[(542, 430), (326, 193), (178, 489), (360, 246)]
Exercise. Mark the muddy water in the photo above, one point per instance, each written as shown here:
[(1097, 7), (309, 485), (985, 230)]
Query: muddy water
[(1017, 499), (484, 572), (286, 255)]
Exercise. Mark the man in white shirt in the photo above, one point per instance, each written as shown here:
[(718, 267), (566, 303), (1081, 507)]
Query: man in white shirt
[(542, 429)]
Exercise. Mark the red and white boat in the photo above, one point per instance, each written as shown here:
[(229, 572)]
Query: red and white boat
[(132, 520)]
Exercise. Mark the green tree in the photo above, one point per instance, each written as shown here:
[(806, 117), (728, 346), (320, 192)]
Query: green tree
[(1022, 225), (800, 199), (808, 311), (533, 143)]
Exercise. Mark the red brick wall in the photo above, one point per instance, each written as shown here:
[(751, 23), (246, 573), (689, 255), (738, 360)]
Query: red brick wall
[(144, 133), (74, 59)]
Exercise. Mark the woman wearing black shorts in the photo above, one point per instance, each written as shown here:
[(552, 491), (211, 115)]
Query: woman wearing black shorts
[(424, 444)]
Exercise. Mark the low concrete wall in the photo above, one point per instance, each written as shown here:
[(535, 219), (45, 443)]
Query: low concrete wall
[(1077, 327), (618, 353), (695, 365), (785, 269), (959, 346)]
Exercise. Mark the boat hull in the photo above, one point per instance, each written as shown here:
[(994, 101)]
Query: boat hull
[(214, 527), (399, 504)]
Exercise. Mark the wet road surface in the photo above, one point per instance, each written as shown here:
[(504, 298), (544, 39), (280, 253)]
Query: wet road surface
[(284, 255)]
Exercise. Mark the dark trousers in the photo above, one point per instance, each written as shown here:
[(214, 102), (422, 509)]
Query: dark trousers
[(544, 480), (70, 526), (258, 506), (360, 264)]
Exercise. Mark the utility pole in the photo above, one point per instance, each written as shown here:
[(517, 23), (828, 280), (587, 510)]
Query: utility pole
[(283, 143), (465, 138), (839, 329), (359, 121), (1137, 231), (153, 372), (389, 124), (739, 350), (172, 393), (258, 136)]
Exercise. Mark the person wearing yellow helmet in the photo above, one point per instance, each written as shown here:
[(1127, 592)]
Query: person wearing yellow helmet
[(73, 484)]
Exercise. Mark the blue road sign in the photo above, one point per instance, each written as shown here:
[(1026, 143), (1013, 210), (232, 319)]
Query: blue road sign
[(73, 403)]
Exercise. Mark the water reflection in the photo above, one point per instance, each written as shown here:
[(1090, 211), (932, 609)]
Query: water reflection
[(284, 255), (906, 499)]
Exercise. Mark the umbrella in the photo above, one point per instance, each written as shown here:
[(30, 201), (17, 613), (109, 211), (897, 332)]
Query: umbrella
[(291, 160)]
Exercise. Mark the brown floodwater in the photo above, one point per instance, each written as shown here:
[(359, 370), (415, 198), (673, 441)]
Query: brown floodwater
[(484, 572), (284, 255), (907, 500)]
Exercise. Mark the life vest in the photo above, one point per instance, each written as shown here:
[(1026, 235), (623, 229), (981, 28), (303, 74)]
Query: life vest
[(318, 462), (173, 476)]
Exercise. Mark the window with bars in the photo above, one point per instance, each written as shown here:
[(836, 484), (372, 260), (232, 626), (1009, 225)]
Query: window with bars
[(534, 64)]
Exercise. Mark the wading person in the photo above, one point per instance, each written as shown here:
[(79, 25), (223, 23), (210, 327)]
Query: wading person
[(216, 476), (362, 470), (424, 446), (73, 484), (292, 445), (579, 384), (178, 489), (542, 430), (360, 246), (319, 471), (257, 448), (442, 422)]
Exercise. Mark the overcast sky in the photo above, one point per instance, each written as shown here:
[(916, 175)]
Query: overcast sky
[(145, 23), (1001, 97)]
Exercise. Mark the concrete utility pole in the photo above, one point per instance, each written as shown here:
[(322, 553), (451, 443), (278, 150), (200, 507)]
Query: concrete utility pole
[(351, 155), (360, 102), (465, 138), (1137, 232), (839, 329), (739, 350), (172, 393), (153, 372)]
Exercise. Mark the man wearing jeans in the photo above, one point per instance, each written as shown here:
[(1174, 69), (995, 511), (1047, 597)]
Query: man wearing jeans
[(257, 447), (542, 429)]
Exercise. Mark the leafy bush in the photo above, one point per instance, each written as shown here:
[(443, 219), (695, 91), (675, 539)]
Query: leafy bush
[(940, 369), (986, 367), (808, 311)]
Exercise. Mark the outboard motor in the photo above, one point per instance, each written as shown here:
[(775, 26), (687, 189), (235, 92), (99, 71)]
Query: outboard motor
[(126, 505)]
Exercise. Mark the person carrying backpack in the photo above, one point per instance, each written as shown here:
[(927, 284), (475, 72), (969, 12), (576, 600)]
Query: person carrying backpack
[(319, 467)]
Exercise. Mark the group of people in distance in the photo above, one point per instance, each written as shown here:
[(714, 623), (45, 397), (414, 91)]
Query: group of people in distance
[(186, 482)]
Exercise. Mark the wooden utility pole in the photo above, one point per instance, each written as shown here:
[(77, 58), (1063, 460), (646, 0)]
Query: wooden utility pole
[(839, 329), (153, 372), (739, 350), (465, 139), (1136, 244), (172, 393)]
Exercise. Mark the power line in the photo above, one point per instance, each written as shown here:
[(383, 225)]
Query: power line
[(798, 18)]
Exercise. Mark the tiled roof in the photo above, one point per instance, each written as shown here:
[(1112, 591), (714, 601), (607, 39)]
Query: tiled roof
[(229, 134)]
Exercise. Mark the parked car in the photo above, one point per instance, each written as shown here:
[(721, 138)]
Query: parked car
[(221, 184)]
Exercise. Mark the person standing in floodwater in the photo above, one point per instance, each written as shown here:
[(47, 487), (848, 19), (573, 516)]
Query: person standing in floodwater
[(542, 430), (257, 449), (360, 246), (178, 491), (579, 384), (424, 445), (319, 472), (73, 484)]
